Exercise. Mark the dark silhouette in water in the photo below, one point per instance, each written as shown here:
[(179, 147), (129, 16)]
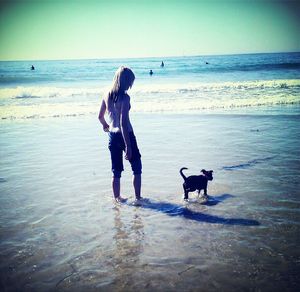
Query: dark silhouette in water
[(171, 209), (162, 64), (32, 67), (151, 72), (248, 163), (215, 200), (196, 182)]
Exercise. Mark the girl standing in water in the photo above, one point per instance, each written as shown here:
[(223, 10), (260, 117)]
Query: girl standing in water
[(121, 137)]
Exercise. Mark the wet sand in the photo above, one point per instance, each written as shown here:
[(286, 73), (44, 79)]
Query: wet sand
[(60, 229)]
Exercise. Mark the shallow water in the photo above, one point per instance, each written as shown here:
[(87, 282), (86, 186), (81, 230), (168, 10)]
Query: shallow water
[(60, 229)]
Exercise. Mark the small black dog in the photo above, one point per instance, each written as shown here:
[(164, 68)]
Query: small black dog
[(196, 182)]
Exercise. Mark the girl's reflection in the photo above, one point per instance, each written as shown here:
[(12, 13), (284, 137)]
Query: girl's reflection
[(129, 240)]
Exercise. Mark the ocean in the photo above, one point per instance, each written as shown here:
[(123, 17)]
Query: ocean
[(184, 84), (238, 115)]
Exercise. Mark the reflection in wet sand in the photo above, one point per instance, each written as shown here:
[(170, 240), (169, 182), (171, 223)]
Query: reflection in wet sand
[(128, 242)]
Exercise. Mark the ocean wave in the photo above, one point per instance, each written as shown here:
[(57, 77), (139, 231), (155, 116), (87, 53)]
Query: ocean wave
[(248, 164), (186, 106), (147, 89), (259, 67), (216, 86), (41, 102), (48, 92), (13, 112)]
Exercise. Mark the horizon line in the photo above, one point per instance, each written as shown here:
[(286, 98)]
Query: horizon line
[(150, 57)]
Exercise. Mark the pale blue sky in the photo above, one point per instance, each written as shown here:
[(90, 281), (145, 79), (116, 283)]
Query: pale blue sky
[(71, 29)]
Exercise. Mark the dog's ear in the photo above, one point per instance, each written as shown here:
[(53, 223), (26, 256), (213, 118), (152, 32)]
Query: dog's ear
[(203, 171)]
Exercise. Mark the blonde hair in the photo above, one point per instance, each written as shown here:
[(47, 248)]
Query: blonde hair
[(122, 81)]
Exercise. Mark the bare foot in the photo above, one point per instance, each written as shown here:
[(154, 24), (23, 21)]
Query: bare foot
[(120, 200), (139, 201)]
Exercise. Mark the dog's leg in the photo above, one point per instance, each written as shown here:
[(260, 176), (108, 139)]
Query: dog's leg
[(205, 193), (199, 191), (186, 193)]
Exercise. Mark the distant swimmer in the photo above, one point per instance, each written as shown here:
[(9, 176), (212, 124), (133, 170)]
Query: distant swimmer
[(162, 64), (32, 67), (151, 72), (206, 63)]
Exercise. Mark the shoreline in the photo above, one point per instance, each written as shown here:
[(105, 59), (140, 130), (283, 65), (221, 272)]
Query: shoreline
[(291, 109), (59, 226)]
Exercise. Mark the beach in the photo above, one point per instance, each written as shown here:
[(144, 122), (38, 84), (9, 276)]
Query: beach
[(61, 229)]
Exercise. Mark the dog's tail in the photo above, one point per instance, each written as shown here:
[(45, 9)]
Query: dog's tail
[(181, 173)]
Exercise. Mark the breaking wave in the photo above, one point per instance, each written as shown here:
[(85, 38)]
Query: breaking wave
[(175, 88), (46, 92), (46, 101)]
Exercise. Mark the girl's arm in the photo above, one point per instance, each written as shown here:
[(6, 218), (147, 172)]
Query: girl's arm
[(124, 119), (101, 116)]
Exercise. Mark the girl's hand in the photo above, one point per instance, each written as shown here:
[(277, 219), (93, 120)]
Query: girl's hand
[(106, 128), (128, 153)]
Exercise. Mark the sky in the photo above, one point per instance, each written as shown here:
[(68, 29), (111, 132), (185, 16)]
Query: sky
[(88, 29)]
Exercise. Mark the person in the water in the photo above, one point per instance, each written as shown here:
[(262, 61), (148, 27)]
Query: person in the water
[(121, 136)]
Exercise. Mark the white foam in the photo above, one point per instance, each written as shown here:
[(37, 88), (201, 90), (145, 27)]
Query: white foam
[(18, 102), (146, 89), (214, 86), (49, 92)]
